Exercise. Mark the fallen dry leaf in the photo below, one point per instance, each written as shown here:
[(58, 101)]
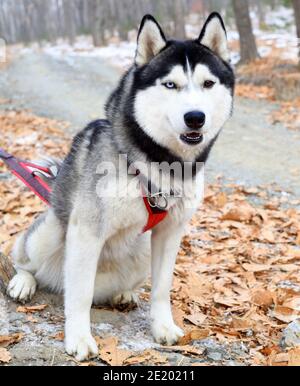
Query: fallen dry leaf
[(294, 357), (262, 298), (196, 318), (293, 303), (31, 309), (151, 357), (278, 360), (241, 213), (256, 267), (298, 239), (31, 319), (5, 356), (221, 199), (185, 350), (284, 314), (86, 364), (194, 335), (7, 340), (240, 324), (110, 353), (60, 336)]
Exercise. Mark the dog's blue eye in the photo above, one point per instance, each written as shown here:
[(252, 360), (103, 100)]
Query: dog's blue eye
[(170, 85)]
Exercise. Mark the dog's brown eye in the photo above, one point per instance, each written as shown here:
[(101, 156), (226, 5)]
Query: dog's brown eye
[(209, 84)]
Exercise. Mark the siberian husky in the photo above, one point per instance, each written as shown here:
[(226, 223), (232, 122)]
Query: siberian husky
[(168, 108)]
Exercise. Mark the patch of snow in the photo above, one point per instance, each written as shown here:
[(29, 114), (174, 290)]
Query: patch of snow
[(281, 17), (118, 54), (235, 57), (232, 35), (104, 327), (264, 51)]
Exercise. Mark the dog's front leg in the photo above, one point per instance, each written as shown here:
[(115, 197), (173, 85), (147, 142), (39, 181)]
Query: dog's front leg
[(165, 245), (82, 253)]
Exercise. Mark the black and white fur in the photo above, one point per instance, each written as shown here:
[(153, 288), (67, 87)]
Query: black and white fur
[(91, 247)]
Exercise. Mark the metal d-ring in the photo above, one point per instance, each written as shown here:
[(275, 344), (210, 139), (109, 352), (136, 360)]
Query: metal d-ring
[(153, 201)]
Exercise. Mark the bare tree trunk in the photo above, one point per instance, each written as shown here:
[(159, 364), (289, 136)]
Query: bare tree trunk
[(6, 272), (247, 40), (261, 13), (98, 27), (296, 5), (179, 19), (69, 19)]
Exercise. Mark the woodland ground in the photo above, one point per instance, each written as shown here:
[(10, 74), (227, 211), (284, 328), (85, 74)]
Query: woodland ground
[(237, 283)]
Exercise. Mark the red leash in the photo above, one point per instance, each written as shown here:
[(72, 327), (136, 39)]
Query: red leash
[(27, 173)]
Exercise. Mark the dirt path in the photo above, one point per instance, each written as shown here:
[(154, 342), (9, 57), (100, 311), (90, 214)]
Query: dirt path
[(72, 90), (254, 151), (250, 150)]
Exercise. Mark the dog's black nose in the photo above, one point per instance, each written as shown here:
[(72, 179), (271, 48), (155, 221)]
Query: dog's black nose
[(194, 120)]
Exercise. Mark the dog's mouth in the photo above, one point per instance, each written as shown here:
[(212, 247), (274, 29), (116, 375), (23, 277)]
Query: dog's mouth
[(192, 138)]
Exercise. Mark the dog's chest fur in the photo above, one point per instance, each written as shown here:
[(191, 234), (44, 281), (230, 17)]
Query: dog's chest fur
[(110, 203)]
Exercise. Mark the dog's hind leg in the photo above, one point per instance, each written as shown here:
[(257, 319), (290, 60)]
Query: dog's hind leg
[(125, 300), (38, 258)]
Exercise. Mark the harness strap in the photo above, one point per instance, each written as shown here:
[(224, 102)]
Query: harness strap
[(21, 169), (26, 172), (149, 190), (155, 217)]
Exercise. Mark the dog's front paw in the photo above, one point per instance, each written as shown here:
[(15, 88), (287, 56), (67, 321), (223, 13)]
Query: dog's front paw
[(166, 333), (22, 287), (82, 347)]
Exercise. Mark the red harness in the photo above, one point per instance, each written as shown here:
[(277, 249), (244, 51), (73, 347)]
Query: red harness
[(27, 173), (154, 216)]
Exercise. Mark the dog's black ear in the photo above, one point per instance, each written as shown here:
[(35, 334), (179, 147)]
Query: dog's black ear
[(214, 36), (151, 40)]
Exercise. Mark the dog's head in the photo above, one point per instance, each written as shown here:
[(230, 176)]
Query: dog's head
[(183, 90)]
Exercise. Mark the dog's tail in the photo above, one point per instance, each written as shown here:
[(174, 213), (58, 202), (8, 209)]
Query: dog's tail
[(53, 165)]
